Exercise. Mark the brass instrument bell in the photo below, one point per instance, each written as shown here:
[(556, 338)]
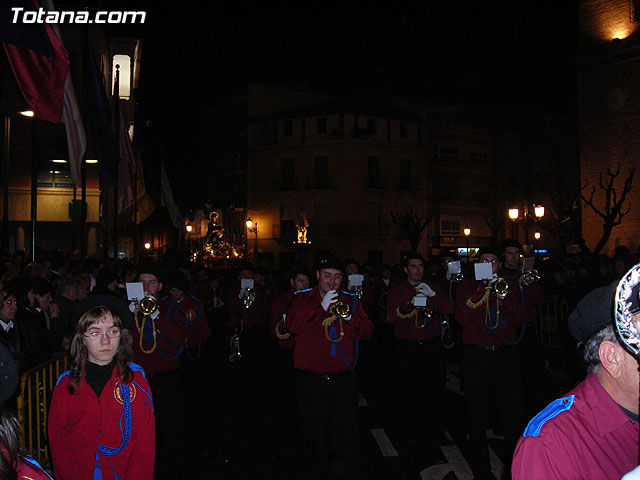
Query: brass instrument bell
[(426, 310), (457, 277), (500, 288), (530, 276), (341, 309), (247, 301), (148, 305)]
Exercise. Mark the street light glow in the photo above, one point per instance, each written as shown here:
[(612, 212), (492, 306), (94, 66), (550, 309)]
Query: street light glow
[(536, 235), (147, 246), (538, 211), (467, 231), (514, 213), (189, 228), (249, 223)]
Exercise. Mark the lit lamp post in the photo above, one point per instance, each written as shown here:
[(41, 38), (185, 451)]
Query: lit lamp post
[(467, 232), (189, 229), (537, 237), (252, 227), (514, 215)]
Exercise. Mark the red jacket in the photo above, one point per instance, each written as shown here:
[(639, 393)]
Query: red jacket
[(402, 314), (498, 326), (180, 324), (313, 352), (78, 423), (589, 436)]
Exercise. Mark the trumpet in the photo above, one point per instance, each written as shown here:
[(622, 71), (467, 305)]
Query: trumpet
[(341, 309), (529, 276), (247, 299), (234, 347), (148, 305), (426, 310), (500, 288), (457, 277)]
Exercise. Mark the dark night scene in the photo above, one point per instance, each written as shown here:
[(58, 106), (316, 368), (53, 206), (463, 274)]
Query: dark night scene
[(319, 242)]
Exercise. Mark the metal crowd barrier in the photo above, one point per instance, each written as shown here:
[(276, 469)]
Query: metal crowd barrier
[(550, 315), (36, 387)]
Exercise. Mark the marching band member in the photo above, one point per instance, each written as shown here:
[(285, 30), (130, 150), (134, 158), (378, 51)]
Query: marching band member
[(101, 421), (299, 281), (491, 363), (327, 333), (419, 348), (592, 431)]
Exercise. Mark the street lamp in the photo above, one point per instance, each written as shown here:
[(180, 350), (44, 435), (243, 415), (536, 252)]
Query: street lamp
[(537, 237), (514, 215), (252, 227), (189, 228), (467, 232)]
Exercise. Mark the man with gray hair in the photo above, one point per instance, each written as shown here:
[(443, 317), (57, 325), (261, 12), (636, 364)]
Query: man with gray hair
[(593, 431)]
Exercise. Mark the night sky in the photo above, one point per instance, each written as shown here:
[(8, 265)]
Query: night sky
[(488, 57)]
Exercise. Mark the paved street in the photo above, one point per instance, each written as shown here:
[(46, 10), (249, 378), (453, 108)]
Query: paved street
[(245, 433)]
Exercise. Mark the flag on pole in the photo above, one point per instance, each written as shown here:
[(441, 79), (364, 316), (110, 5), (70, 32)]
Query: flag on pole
[(126, 167), (39, 61), (105, 142), (72, 118), (145, 205), (167, 200)]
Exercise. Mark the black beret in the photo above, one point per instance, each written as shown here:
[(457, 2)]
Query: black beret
[(177, 279), (492, 249), (150, 269), (331, 262), (593, 313), (8, 374), (510, 242)]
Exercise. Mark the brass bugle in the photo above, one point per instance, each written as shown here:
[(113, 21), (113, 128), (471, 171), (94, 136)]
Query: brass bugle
[(234, 347), (148, 305), (341, 309), (426, 310), (247, 301), (500, 288), (530, 276), (457, 277)]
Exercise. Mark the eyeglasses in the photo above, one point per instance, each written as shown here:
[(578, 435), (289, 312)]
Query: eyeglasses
[(495, 260), (113, 333)]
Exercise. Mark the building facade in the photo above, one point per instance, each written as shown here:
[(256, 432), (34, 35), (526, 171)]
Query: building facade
[(609, 100), (342, 168)]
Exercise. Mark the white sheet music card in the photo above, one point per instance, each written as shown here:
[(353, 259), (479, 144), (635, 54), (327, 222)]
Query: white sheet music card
[(135, 291), (484, 271), (527, 264), (419, 301), (356, 280), (246, 283), (454, 267)]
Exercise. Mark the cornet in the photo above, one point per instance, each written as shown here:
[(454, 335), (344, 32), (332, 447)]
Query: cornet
[(341, 309), (529, 276), (500, 288), (457, 277), (247, 299), (148, 306), (234, 347)]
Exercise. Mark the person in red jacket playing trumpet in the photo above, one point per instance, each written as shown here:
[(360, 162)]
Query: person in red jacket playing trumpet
[(327, 325)]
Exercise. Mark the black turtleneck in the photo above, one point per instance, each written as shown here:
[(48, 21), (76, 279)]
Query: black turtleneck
[(97, 376)]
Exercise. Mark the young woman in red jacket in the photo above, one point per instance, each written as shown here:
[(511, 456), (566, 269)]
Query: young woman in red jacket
[(101, 422)]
